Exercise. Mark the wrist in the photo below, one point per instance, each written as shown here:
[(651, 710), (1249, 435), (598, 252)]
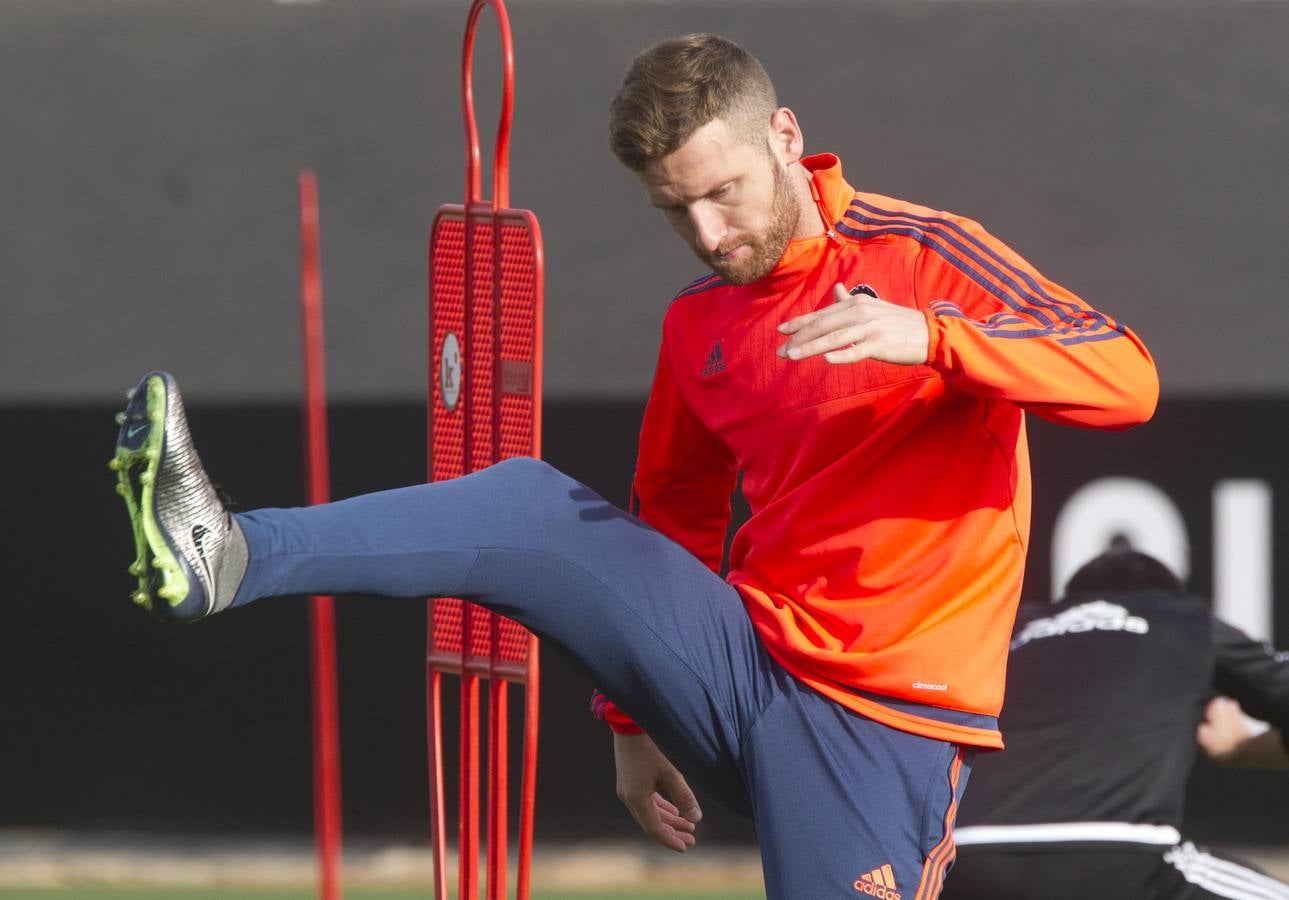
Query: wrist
[(932, 337), (624, 728)]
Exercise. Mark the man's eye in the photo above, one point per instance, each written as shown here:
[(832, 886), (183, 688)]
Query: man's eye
[(720, 192)]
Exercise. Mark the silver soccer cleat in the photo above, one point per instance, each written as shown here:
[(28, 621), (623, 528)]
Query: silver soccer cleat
[(190, 553)]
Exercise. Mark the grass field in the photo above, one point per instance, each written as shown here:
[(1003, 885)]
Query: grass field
[(159, 893), (127, 866)]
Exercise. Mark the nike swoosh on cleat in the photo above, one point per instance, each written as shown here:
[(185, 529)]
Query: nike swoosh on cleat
[(135, 429), (199, 533)]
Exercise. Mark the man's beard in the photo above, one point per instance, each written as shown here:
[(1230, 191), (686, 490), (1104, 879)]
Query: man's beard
[(767, 247)]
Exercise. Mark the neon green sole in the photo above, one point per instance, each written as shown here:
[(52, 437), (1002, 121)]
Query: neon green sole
[(151, 549)]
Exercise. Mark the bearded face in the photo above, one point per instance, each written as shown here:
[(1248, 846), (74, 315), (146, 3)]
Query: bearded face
[(752, 256), (729, 197)]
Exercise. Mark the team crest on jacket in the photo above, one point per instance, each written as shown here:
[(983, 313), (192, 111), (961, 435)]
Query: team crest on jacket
[(864, 289)]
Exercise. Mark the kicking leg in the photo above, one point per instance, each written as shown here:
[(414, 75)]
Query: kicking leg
[(662, 635), (656, 630)]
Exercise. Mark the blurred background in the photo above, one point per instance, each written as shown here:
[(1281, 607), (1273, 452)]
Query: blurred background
[(1133, 151)]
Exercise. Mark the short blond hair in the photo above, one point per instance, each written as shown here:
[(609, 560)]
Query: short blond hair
[(677, 86)]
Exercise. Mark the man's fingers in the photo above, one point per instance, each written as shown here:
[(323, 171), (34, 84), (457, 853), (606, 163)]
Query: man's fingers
[(675, 840), (842, 300), (677, 823), (852, 353), (844, 338), (665, 805), (792, 326), (824, 322), (855, 330), (839, 296), (683, 798), (669, 829), (670, 815)]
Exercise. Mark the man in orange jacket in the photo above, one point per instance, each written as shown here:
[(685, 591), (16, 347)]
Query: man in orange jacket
[(865, 363)]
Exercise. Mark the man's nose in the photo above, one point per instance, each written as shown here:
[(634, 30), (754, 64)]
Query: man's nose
[(709, 228)]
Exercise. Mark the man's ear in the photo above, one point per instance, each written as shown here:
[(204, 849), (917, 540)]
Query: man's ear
[(785, 136)]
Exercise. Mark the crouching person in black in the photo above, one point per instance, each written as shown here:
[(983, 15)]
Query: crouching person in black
[(1106, 691)]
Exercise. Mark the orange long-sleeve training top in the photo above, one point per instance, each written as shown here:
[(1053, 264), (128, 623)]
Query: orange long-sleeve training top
[(882, 562)]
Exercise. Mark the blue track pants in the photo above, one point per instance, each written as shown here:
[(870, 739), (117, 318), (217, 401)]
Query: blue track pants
[(843, 806)]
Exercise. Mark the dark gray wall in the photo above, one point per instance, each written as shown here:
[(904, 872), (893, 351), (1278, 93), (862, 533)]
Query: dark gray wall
[(113, 719), (148, 155)]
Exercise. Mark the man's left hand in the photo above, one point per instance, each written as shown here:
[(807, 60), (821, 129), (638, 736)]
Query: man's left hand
[(857, 328)]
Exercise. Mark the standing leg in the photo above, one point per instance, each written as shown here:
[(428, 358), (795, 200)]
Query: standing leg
[(846, 806)]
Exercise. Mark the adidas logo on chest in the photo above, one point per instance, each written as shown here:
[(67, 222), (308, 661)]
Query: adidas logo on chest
[(715, 362)]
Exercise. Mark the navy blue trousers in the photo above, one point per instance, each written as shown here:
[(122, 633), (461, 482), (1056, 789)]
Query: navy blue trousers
[(835, 796)]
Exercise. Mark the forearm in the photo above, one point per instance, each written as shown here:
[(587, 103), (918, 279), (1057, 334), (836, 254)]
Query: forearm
[(1253, 673), (1098, 376), (1261, 751), (1000, 329)]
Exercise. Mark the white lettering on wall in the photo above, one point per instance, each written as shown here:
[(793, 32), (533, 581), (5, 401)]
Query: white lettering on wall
[(1242, 555), (1109, 507)]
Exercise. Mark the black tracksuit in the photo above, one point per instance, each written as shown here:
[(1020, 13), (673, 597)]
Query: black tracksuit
[(1104, 694)]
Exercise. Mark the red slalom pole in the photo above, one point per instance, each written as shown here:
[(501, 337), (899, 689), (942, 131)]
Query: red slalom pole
[(326, 732)]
